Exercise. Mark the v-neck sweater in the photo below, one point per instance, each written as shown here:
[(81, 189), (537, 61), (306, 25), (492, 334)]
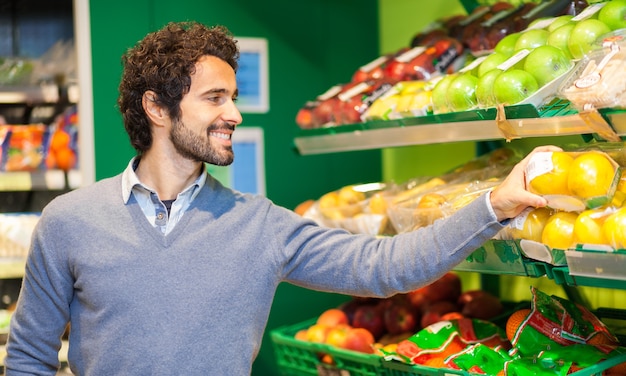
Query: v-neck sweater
[(196, 301)]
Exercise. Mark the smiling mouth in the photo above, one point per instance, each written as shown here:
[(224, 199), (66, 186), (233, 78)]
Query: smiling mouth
[(220, 135)]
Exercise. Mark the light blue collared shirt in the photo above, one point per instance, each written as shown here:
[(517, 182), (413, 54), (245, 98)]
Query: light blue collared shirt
[(153, 208)]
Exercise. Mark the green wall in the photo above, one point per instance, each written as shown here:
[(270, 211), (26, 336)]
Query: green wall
[(312, 46)]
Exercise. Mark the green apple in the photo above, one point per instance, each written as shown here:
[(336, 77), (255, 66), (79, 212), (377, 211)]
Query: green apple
[(438, 95), (530, 39), (613, 14), (513, 86), (506, 45), (546, 63), (493, 60), (484, 89), (584, 34), (559, 38), (559, 21), (461, 93)]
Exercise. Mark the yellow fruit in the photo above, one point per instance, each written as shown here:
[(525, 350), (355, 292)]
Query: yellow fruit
[(378, 204), (591, 175), (614, 229), (422, 101), (534, 223), (554, 181), (349, 196), (559, 230), (328, 205), (588, 227)]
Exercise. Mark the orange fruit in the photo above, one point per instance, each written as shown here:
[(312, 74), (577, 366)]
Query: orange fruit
[(435, 362), (66, 159), (591, 175), (554, 181), (59, 140), (559, 230), (302, 207), (514, 321)]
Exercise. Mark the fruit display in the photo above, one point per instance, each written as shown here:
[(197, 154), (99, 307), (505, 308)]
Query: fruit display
[(358, 208), (440, 326), (389, 208), (369, 324), (573, 181), (499, 54)]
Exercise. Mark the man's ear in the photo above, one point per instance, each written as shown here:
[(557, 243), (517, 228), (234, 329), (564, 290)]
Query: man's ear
[(154, 112)]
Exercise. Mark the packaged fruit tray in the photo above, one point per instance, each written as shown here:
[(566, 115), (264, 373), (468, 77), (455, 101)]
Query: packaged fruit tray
[(502, 257)]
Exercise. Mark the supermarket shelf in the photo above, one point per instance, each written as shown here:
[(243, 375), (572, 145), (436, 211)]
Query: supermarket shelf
[(39, 180), (11, 268), (469, 126), (29, 94)]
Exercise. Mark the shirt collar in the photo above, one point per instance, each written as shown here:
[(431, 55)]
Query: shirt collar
[(130, 181)]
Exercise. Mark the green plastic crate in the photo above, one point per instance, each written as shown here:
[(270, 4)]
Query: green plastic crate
[(296, 358)]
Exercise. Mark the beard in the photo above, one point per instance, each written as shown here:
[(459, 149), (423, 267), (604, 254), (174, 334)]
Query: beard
[(191, 146)]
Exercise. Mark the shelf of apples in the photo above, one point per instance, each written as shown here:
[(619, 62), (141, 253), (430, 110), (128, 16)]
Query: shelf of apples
[(444, 47), (528, 66), (387, 104)]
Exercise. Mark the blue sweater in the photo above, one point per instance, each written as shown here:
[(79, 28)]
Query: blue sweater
[(196, 301)]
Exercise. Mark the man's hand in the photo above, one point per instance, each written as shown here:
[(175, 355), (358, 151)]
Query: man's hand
[(511, 197)]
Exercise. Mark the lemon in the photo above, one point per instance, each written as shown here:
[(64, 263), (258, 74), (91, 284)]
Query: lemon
[(588, 227), (554, 181), (591, 175), (559, 230), (614, 229), (534, 223)]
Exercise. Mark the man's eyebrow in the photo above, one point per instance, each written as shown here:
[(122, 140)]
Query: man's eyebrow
[(220, 91)]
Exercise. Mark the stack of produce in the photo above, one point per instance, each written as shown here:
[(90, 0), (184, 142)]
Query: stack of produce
[(586, 192), (552, 337), (371, 325)]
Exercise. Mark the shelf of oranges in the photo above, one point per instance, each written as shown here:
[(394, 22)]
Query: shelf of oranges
[(556, 118)]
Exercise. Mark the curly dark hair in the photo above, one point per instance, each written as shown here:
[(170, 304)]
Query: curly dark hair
[(163, 62)]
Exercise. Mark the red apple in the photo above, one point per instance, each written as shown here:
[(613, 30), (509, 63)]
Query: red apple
[(373, 70), (333, 317), (452, 316), (482, 306), (447, 287), (434, 311), (359, 339), (370, 317), (400, 318), (304, 117)]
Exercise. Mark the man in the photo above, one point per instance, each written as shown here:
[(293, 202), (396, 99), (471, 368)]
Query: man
[(161, 270)]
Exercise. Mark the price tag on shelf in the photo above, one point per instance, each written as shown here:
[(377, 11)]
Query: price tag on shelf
[(15, 181)]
